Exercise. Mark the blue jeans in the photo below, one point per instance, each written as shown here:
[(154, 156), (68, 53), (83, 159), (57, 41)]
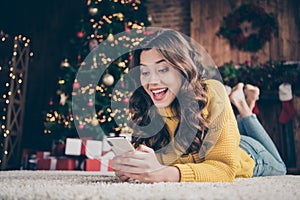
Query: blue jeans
[(257, 143)]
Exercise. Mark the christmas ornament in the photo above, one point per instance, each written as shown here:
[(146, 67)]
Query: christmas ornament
[(78, 58), (110, 37), (126, 100), (93, 11), (95, 121), (51, 102), (63, 98), (108, 79), (80, 34), (122, 64), (120, 16), (127, 29), (286, 97), (65, 63), (80, 126), (76, 85), (122, 83), (61, 81), (93, 43), (90, 103)]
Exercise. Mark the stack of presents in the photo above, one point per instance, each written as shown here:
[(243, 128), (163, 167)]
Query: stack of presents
[(75, 154)]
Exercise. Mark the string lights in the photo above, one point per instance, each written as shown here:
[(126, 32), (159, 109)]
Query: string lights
[(12, 82), (104, 20)]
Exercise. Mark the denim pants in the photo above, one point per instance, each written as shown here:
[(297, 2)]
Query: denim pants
[(257, 143)]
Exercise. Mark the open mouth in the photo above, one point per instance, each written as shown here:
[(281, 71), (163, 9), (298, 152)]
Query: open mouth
[(159, 94)]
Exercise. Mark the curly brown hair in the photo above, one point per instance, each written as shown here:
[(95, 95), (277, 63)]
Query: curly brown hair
[(188, 105)]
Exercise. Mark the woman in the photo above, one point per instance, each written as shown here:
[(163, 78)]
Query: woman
[(199, 139)]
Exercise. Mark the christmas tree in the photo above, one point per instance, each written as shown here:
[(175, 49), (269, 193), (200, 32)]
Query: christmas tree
[(114, 23)]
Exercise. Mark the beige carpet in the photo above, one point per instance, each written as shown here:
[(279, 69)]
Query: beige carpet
[(92, 185)]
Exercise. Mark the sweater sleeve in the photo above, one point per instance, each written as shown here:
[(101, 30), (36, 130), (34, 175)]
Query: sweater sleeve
[(221, 144)]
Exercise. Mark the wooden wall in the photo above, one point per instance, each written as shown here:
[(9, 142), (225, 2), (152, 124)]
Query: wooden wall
[(207, 17), (296, 128), (285, 136), (173, 14)]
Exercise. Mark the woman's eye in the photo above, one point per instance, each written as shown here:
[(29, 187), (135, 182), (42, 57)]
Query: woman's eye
[(145, 73), (165, 69)]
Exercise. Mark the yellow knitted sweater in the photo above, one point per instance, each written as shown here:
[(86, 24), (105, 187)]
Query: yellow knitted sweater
[(225, 160)]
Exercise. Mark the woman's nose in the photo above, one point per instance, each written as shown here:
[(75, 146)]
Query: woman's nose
[(154, 78)]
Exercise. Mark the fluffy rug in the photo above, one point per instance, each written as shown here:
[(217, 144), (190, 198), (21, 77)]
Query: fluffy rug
[(92, 185)]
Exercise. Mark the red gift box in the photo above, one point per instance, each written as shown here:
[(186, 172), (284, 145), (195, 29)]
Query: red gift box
[(42, 154), (102, 165), (52, 163), (66, 164)]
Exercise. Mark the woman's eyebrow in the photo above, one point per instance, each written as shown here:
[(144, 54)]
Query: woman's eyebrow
[(157, 62)]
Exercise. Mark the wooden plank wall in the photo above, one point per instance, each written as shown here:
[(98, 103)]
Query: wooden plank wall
[(173, 14), (207, 17), (297, 132)]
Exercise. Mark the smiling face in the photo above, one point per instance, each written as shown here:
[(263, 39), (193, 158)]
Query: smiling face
[(159, 79)]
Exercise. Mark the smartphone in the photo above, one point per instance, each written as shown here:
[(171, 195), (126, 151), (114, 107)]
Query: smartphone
[(119, 145)]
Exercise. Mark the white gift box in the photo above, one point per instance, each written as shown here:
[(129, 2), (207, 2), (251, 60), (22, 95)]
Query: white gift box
[(93, 149), (105, 147), (73, 146), (76, 147)]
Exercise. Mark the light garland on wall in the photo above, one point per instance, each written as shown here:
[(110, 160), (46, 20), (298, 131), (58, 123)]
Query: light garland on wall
[(11, 75)]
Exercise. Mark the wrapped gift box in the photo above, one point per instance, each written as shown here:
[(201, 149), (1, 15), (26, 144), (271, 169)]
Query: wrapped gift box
[(76, 147), (28, 161), (101, 165), (93, 149), (53, 163), (42, 154), (105, 147), (73, 146)]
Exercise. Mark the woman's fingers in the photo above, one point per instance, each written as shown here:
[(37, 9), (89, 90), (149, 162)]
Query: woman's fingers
[(122, 176), (145, 149)]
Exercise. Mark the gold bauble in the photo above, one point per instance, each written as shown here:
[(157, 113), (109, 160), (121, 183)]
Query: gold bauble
[(122, 64), (120, 15), (94, 122), (93, 11), (110, 37), (65, 63), (108, 79)]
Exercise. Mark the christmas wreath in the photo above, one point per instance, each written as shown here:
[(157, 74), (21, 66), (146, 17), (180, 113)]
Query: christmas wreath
[(249, 27)]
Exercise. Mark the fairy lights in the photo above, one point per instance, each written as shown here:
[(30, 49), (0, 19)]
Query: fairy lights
[(104, 19), (10, 75)]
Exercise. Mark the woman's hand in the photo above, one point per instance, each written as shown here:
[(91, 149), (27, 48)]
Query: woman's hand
[(142, 165)]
